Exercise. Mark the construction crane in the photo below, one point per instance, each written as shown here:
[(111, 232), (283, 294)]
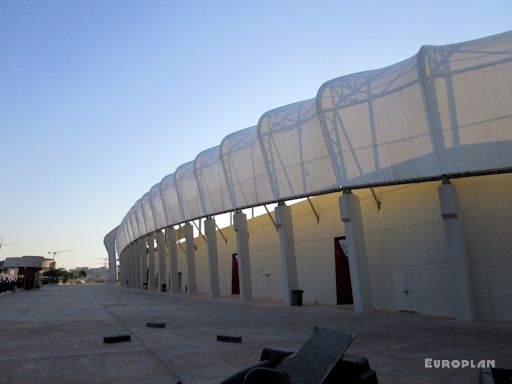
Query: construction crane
[(104, 259), (2, 244), (55, 253)]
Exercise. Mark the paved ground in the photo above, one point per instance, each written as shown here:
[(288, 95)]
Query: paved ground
[(55, 335)]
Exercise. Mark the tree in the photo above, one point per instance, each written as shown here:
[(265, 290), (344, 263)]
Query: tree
[(60, 274)]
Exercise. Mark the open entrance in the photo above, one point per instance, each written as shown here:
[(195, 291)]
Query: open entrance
[(29, 278), (343, 283), (235, 282)]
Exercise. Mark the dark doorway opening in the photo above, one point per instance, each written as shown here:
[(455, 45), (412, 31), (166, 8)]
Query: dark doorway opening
[(343, 283), (235, 282)]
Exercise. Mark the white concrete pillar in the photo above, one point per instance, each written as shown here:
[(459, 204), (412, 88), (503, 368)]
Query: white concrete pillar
[(244, 263), (287, 248), (350, 210), (122, 262), (125, 268), (136, 255), (131, 279), (162, 278), (191, 265), (129, 269), (132, 256), (141, 244), (213, 264), (151, 262), (458, 259), (135, 269), (170, 234)]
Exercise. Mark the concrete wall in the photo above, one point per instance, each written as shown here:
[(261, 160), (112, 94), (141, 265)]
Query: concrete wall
[(405, 243), (407, 250), (487, 206)]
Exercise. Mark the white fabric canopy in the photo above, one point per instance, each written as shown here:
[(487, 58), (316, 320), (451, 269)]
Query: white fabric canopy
[(132, 235), (294, 151), (188, 194), (171, 204), (447, 111), (120, 235), (244, 169), (127, 232), (376, 127), (147, 213), (157, 206), (133, 223), (126, 239), (139, 218), (469, 88), (211, 182)]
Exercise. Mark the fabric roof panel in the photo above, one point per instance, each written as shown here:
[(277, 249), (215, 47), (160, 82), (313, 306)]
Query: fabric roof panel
[(211, 182), (157, 206), (188, 193), (295, 152), (244, 168), (170, 201)]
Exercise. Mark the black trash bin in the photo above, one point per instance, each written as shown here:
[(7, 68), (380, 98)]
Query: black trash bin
[(297, 297), (163, 288)]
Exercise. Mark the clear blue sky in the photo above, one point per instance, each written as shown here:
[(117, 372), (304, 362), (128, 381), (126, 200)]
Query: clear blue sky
[(101, 99)]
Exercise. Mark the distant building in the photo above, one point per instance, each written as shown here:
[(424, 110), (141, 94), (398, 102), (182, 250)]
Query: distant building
[(28, 267), (97, 275)]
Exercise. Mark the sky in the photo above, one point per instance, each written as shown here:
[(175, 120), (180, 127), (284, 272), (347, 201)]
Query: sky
[(100, 99)]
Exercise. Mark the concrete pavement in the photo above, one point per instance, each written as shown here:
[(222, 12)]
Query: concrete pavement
[(55, 334)]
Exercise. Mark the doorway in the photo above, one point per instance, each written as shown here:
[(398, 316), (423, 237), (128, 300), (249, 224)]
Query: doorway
[(343, 283), (235, 282), (29, 278), (406, 290)]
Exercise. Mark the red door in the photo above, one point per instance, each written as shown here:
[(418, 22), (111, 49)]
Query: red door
[(235, 283), (29, 278), (343, 284)]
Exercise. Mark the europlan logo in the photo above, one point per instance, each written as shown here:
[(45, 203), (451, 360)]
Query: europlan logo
[(456, 364)]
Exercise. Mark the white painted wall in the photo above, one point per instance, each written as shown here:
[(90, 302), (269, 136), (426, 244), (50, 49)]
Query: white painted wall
[(406, 236), (486, 203), (405, 244)]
